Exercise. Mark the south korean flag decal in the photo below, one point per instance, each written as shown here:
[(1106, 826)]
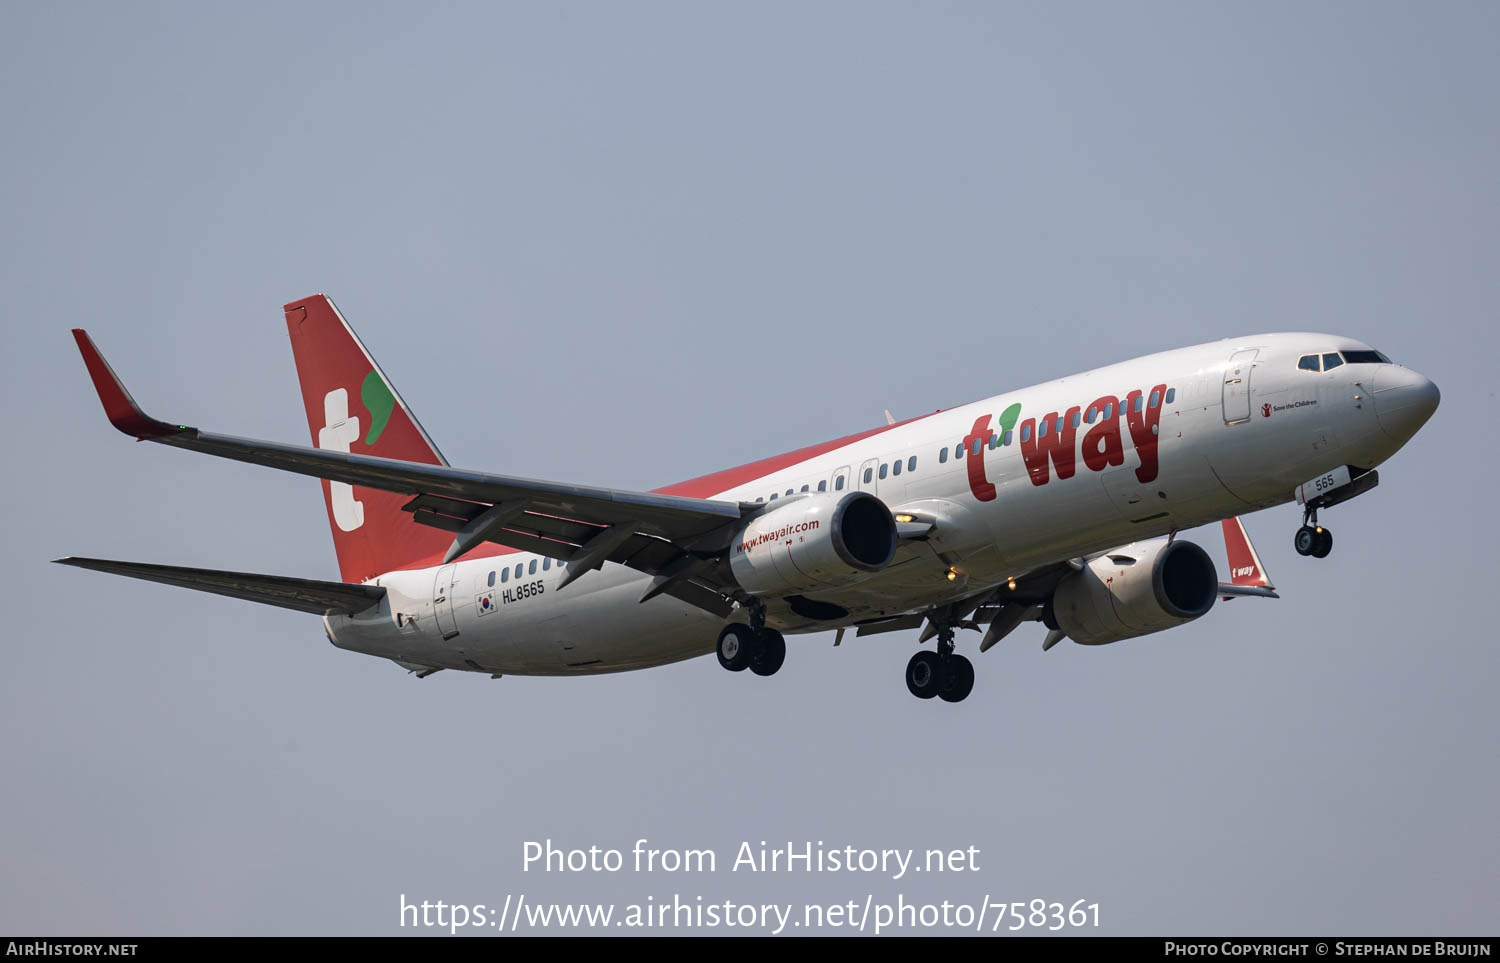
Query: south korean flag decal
[(485, 603)]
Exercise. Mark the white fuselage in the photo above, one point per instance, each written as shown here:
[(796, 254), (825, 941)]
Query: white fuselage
[(1229, 432)]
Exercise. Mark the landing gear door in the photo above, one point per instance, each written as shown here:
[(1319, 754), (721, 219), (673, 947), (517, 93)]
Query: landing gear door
[(1237, 386), (443, 588)]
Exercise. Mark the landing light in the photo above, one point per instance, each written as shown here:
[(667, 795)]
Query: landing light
[(1011, 584), (952, 575), (903, 519)]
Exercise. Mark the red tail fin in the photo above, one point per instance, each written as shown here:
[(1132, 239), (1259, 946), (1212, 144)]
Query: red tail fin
[(352, 406)]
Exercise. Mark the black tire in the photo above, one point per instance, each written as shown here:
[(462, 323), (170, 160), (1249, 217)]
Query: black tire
[(736, 646), (770, 652), (1323, 543), (959, 681), (1305, 540), (924, 676)]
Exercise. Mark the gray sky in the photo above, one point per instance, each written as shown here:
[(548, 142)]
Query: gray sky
[(626, 244)]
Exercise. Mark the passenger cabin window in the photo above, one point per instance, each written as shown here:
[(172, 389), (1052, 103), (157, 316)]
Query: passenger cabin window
[(1171, 394), (1137, 405), (760, 499), (1155, 399), (943, 455), (505, 575), (1007, 438), (838, 484), (823, 485), (546, 564), (978, 444), (532, 568), (883, 469), (1109, 410), (896, 467), (1331, 360), (1076, 417), (806, 487), (492, 580), (1308, 362), (1041, 428), (1090, 415), (519, 568), (788, 491), (1365, 357), (958, 451), (1025, 433), (911, 463), (869, 474), (773, 496)]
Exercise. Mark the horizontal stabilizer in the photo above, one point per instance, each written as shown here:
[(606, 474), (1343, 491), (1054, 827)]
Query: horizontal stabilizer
[(302, 594)]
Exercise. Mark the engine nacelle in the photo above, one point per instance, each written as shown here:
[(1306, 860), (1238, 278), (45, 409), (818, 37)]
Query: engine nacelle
[(814, 542), (1136, 590)]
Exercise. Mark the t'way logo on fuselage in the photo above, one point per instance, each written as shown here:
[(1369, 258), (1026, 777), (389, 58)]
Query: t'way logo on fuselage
[(1052, 443)]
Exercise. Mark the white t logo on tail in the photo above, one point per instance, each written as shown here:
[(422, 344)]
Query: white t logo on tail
[(339, 431)]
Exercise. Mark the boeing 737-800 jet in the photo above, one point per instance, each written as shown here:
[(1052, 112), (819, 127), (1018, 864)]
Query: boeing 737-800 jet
[(1057, 503)]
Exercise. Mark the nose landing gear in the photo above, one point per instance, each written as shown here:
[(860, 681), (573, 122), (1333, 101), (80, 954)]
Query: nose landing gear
[(1312, 539), (943, 673)]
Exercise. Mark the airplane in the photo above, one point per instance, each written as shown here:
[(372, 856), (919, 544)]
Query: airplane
[(1058, 503)]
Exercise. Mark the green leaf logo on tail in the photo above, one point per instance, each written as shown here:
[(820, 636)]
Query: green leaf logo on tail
[(379, 402)]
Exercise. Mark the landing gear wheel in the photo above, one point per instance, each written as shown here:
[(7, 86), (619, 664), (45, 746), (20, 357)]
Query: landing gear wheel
[(924, 675), (1322, 542), (1306, 540), (958, 679), (736, 647), (770, 652)]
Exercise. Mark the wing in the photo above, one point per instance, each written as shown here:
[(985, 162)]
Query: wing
[(302, 594), (678, 540)]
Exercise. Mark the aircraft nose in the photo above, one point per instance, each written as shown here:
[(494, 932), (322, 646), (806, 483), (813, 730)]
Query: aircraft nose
[(1404, 400)]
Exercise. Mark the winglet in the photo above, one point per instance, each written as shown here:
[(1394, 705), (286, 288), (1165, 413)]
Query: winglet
[(1245, 570), (121, 409)]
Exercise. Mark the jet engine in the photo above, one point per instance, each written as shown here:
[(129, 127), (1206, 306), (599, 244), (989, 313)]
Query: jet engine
[(813, 542), (1135, 590)]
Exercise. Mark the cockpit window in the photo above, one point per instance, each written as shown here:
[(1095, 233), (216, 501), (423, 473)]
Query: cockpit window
[(1365, 357), (1331, 361), (1308, 362)]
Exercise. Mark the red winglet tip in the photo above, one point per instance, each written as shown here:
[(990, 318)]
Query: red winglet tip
[(1244, 563), (119, 407)]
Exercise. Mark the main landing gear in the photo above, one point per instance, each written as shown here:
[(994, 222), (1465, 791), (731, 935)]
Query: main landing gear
[(1312, 539), (943, 673), (753, 647)]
